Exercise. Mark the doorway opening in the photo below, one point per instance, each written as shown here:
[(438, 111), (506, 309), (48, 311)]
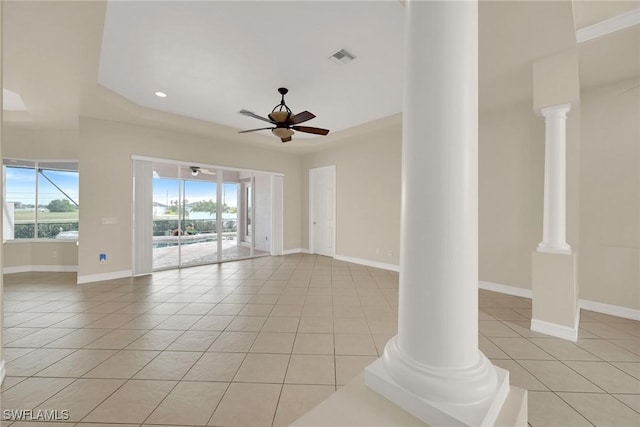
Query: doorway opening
[(202, 215), (322, 210)]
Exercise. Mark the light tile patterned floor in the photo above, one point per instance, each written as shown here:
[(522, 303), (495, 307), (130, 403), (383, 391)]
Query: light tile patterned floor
[(259, 342)]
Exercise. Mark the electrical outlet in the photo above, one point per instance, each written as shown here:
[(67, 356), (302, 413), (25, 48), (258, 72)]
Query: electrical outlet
[(54, 254), (389, 253), (103, 258), (377, 251)]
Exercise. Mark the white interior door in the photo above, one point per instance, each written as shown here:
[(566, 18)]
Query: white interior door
[(277, 214), (322, 200)]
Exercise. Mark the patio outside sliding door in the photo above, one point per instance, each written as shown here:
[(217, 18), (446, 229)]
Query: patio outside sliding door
[(203, 215), (199, 237)]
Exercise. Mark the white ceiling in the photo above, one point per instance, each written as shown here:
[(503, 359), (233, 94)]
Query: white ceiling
[(214, 58)]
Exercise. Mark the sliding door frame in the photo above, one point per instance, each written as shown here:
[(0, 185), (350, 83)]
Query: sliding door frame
[(277, 230)]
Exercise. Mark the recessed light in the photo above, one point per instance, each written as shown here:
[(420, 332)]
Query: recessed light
[(161, 94)]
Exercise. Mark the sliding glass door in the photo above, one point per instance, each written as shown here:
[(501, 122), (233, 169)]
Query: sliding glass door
[(229, 243), (206, 215), (166, 222), (199, 237)]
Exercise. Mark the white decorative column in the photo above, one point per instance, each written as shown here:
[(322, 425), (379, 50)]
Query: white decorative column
[(554, 235), (554, 284), (433, 367)]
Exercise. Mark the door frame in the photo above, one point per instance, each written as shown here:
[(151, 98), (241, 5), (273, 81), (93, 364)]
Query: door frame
[(331, 168), (144, 238)]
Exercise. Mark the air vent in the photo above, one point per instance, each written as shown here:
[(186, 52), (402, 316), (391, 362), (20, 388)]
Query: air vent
[(342, 57)]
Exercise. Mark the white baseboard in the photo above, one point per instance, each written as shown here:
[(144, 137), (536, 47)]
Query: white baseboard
[(613, 310), (555, 330), (598, 307), (43, 268), (504, 289), (90, 278), (296, 251), (369, 263), (3, 372), (361, 261)]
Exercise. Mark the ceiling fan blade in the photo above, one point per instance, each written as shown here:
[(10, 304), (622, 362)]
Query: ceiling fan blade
[(253, 130), (309, 129), (287, 139), (255, 116), (301, 117)]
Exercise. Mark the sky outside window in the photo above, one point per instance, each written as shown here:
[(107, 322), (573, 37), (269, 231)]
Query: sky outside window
[(166, 190), (20, 186)]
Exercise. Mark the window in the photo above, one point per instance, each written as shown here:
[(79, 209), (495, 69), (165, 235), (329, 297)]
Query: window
[(40, 200)]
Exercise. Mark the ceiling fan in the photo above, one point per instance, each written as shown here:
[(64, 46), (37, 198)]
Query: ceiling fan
[(284, 121), (197, 170)]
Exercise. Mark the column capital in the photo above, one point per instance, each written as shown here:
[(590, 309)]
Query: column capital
[(559, 111)]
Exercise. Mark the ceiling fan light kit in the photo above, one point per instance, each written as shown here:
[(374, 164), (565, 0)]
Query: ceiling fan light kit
[(280, 116), (284, 121), (282, 132)]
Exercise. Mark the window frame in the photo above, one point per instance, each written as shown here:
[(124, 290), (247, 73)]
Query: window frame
[(58, 165)]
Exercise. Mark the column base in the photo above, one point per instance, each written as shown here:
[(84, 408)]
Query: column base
[(563, 249), (555, 330), (554, 287), (470, 397), (480, 414), (357, 405)]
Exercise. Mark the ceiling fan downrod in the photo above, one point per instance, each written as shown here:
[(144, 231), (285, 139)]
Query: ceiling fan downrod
[(283, 91)]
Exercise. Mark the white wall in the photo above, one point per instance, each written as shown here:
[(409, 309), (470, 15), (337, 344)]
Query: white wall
[(368, 193), (511, 177), (40, 144), (609, 257), (511, 162), (603, 193), (106, 185)]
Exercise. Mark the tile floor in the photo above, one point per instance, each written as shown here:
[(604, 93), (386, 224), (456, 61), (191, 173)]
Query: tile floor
[(191, 254), (259, 342)]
